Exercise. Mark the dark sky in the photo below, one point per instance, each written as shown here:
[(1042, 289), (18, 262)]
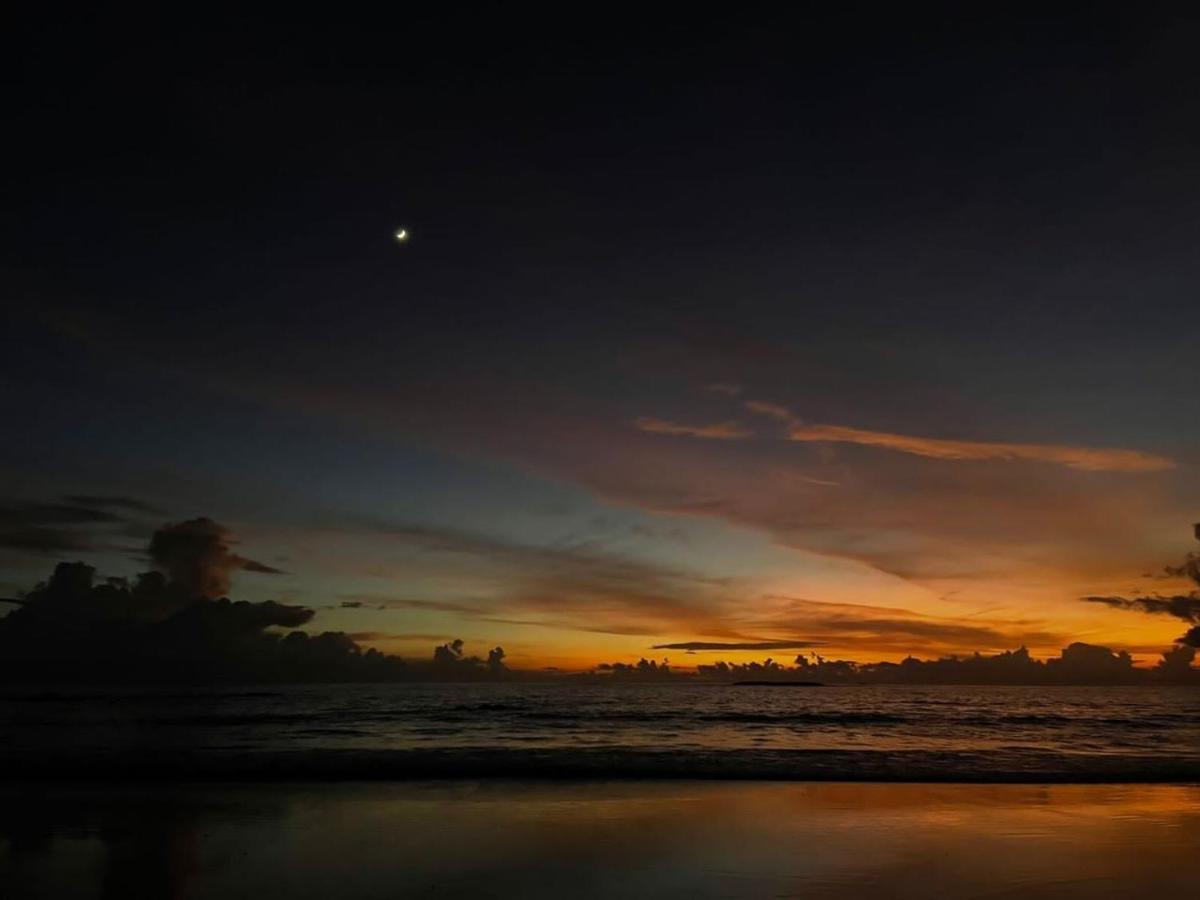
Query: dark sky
[(943, 239)]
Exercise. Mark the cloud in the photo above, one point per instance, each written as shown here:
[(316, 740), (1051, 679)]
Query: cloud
[(729, 390), (373, 636), (908, 515), (36, 539), (742, 645), (356, 601), (883, 628), (125, 504), (772, 410), (1180, 606), (1085, 458), (1088, 459), (257, 616), (721, 431), (450, 660), (1183, 606), (168, 625), (562, 586), (74, 526), (56, 514), (198, 556)]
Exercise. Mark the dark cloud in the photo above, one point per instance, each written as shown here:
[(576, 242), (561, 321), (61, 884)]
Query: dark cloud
[(1181, 606), (744, 645), (126, 504), (36, 539), (354, 601), (1177, 661), (448, 654), (451, 662), (46, 528), (169, 625), (198, 556), (77, 524), (269, 613), (495, 659), (172, 625), (437, 605), (56, 514)]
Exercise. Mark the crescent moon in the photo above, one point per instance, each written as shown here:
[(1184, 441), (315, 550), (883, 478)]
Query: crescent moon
[(401, 234)]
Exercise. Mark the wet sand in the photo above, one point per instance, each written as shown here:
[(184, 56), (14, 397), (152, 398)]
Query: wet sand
[(595, 839)]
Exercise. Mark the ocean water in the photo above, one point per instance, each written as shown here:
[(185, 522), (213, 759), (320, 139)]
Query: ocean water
[(569, 730)]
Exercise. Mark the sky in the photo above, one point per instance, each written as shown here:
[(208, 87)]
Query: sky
[(837, 334)]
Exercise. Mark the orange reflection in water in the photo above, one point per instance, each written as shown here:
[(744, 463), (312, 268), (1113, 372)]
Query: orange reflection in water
[(726, 839)]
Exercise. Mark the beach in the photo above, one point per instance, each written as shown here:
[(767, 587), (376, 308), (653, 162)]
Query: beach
[(597, 791), (504, 838)]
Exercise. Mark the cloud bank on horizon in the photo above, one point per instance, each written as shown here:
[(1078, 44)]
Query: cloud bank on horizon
[(172, 624)]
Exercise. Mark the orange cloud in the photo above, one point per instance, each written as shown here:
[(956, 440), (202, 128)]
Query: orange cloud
[(1089, 459), (771, 409), (721, 431), (882, 630)]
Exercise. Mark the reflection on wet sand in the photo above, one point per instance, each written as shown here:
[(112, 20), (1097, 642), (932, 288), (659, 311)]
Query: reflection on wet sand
[(598, 840)]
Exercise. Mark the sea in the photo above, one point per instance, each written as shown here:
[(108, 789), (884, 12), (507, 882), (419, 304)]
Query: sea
[(574, 730)]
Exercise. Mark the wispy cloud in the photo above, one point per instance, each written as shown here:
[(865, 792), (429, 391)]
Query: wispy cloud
[(75, 524), (557, 587), (371, 637), (740, 645), (1092, 459), (1186, 606), (719, 431), (729, 390), (771, 409), (895, 628), (125, 504), (377, 602)]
